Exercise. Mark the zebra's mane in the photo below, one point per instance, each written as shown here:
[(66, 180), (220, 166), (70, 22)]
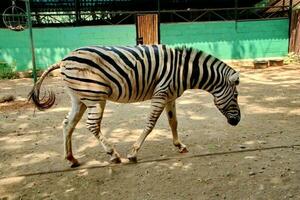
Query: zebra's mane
[(197, 51), (185, 48)]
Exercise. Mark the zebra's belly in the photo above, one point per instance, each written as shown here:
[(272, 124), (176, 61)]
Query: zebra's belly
[(115, 97)]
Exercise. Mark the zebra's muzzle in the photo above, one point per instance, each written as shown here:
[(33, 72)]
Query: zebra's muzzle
[(233, 120)]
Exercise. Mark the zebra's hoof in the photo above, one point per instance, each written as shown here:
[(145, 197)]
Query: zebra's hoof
[(115, 160), (183, 150), (74, 165), (132, 159)]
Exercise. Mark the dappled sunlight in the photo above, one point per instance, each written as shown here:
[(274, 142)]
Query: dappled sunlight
[(91, 142), (260, 109), (275, 78), (294, 112), (251, 157), (195, 115), (254, 142), (59, 109), (12, 180), (11, 142), (189, 101), (175, 165), (33, 158), (122, 135), (96, 163), (70, 190), (31, 141), (83, 172)]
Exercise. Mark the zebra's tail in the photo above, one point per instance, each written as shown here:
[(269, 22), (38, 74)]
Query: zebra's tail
[(49, 97)]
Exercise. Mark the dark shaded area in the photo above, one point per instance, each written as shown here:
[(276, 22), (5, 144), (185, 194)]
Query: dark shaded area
[(134, 5), (97, 12)]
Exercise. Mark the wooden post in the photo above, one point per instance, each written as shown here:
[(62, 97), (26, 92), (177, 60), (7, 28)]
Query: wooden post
[(147, 29), (294, 43)]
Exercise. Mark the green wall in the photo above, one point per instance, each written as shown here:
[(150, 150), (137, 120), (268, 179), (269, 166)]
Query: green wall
[(231, 40), (226, 40), (51, 44)]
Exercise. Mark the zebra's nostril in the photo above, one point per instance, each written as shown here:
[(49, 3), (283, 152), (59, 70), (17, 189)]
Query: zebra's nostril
[(233, 120)]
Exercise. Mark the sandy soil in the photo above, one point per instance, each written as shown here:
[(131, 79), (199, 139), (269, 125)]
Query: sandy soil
[(258, 159)]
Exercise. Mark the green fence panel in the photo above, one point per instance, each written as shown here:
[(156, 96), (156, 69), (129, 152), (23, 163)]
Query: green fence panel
[(231, 40), (52, 44)]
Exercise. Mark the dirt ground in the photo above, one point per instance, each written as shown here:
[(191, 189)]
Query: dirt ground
[(258, 159)]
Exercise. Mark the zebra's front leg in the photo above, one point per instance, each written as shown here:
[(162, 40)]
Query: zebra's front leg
[(172, 118), (69, 124), (95, 114), (157, 106)]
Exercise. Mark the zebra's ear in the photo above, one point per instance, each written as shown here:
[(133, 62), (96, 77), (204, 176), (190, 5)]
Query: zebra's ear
[(234, 79)]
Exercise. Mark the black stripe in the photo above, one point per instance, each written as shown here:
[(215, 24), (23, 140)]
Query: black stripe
[(114, 64), (98, 118), (147, 52), (195, 73), (212, 74), (91, 106), (171, 71), (138, 58), (89, 91), (83, 99), (164, 66), (204, 72), (85, 80), (130, 64), (222, 78), (140, 48), (212, 85), (96, 66), (157, 66), (91, 123), (167, 81), (179, 71), (175, 69), (186, 68)]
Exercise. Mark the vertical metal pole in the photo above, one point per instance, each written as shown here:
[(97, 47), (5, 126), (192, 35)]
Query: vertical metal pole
[(31, 39), (77, 11), (290, 24), (236, 13)]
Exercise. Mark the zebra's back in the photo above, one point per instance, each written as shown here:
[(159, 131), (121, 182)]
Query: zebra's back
[(121, 74)]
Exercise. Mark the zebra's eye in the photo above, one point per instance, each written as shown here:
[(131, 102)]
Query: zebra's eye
[(235, 95)]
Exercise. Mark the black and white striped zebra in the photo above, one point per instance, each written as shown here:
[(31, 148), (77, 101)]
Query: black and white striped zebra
[(95, 74)]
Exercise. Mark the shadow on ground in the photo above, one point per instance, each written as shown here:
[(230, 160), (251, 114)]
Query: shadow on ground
[(259, 159)]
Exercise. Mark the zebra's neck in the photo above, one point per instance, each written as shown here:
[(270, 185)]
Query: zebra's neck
[(198, 70)]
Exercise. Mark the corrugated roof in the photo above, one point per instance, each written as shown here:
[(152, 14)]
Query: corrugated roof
[(279, 5)]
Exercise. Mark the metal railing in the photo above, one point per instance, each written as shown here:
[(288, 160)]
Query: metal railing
[(72, 15)]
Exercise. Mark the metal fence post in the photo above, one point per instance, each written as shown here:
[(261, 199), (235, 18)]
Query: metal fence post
[(31, 39)]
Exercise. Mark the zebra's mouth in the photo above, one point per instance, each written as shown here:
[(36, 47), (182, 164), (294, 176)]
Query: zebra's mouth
[(233, 120)]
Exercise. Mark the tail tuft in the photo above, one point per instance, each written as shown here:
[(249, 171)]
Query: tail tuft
[(49, 97), (45, 102)]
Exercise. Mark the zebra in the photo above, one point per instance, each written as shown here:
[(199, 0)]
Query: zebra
[(94, 74)]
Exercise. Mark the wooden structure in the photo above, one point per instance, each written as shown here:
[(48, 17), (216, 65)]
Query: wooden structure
[(147, 29), (295, 32)]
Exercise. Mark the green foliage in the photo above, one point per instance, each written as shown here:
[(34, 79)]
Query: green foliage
[(7, 71), (263, 3), (292, 58)]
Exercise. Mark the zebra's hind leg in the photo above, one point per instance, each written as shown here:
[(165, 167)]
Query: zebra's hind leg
[(95, 114), (69, 124), (157, 106), (172, 118)]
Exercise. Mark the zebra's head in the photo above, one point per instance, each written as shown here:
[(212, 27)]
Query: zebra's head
[(226, 99)]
